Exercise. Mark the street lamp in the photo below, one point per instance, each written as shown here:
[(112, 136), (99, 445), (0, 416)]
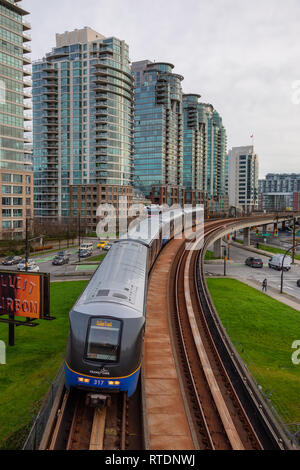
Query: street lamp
[(282, 265), (27, 242)]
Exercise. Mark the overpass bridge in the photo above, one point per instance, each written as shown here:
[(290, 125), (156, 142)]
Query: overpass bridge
[(248, 223)]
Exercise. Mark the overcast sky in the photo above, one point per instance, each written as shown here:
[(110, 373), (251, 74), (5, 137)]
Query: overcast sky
[(242, 57)]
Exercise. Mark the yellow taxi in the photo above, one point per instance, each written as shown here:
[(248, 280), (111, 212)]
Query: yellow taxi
[(101, 245)]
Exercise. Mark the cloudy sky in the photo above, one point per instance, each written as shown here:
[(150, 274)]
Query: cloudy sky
[(243, 57)]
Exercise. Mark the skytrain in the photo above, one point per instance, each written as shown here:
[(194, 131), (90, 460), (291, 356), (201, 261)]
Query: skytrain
[(107, 323)]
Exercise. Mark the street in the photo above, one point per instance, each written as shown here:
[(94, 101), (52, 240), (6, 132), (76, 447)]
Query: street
[(44, 261), (236, 268)]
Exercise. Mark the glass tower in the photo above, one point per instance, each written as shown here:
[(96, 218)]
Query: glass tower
[(194, 149), (216, 148), (158, 161), (82, 118), (15, 161), (180, 143)]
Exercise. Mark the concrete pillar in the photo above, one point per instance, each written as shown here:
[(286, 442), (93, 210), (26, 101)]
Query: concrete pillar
[(218, 249), (247, 236)]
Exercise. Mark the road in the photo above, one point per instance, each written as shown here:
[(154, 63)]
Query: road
[(57, 272), (236, 268)]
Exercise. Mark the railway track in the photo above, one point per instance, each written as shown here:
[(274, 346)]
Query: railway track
[(82, 424), (217, 416), (223, 405), (267, 430)]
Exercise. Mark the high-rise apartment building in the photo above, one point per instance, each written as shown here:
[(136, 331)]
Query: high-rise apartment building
[(180, 143), (15, 168), (158, 161), (82, 119), (243, 178), (194, 150), (278, 192)]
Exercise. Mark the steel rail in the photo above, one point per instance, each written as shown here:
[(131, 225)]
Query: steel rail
[(267, 429)]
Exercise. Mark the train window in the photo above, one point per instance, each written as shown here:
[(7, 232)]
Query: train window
[(103, 340)]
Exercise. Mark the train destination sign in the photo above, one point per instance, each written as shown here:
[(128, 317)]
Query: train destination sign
[(24, 295)]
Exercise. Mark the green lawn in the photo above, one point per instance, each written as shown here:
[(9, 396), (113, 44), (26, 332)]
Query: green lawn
[(263, 331), (210, 256), (32, 363), (97, 258), (273, 249)]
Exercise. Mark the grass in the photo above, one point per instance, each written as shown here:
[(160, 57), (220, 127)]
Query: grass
[(263, 331), (273, 249), (32, 364), (209, 256), (97, 258)]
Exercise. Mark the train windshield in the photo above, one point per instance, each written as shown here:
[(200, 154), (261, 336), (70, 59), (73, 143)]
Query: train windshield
[(103, 340)]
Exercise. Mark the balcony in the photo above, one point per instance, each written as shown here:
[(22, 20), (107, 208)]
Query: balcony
[(26, 25), (27, 49), (26, 37)]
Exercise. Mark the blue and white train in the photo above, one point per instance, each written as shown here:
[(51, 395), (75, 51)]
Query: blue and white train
[(107, 323)]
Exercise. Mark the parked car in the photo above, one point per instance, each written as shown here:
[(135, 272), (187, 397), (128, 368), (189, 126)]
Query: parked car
[(32, 266), (254, 262), (64, 253), (107, 247), (84, 253), (276, 262), (60, 260), (11, 260)]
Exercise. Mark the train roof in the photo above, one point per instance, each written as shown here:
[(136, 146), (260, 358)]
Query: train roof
[(120, 279), (148, 229)]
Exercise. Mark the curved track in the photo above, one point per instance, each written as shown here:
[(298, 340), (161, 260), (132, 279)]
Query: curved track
[(216, 415)]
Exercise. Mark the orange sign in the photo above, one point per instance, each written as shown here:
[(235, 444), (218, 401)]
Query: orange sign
[(24, 294)]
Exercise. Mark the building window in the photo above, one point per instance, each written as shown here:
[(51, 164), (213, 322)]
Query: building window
[(6, 177), (17, 178)]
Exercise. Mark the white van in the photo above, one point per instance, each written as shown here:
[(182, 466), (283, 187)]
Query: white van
[(87, 246), (276, 262)]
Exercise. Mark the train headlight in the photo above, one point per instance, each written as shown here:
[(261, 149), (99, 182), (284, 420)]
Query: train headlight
[(114, 382), (82, 380)]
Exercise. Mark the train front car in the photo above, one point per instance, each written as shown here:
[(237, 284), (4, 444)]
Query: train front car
[(107, 324)]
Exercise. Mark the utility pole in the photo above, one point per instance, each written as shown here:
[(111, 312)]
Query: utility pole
[(68, 233), (294, 241), (79, 235), (27, 245), (225, 261)]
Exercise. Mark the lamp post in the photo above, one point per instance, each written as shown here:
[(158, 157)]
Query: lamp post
[(282, 265), (225, 261), (79, 235), (27, 243), (294, 240)]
